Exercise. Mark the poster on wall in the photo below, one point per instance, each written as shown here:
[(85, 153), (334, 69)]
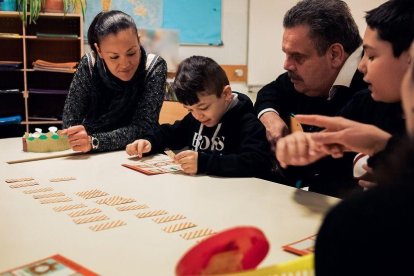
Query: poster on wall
[(197, 22)]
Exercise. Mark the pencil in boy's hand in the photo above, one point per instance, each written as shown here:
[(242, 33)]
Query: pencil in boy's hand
[(170, 153), (294, 124)]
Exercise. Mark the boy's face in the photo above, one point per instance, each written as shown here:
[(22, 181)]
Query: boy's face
[(210, 108), (407, 93), (382, 71)]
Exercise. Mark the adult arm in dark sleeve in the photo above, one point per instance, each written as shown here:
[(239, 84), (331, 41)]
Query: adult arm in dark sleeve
[(275, 95), (77, 100)]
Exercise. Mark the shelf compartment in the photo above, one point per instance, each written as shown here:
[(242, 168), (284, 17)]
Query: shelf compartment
[(12, 80), (36, 80), (55, 25), (11, 49), (46, 107), (52, 50), (11, 104), (11, 23)]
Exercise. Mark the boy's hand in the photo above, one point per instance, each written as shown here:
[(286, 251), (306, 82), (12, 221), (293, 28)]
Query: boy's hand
[(138, 147), (78, 138), (188, 161)]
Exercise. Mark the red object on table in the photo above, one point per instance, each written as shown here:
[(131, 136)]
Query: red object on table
[(249, 242)]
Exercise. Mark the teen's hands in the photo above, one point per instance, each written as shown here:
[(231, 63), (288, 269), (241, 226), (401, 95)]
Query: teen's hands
[(298, 149), (78, 138), (367, 181), (275, 128), (342, 135), (188, 161), (138, 147)]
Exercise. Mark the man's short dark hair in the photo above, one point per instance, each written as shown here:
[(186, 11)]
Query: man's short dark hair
[(394, 22), (198, 74), (330, 21)]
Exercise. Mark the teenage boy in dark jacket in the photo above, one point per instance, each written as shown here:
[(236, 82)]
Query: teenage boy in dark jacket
[(222, 131)]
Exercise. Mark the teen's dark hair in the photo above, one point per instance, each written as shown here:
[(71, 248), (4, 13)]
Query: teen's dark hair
[(198, 74), (394, 22), (330, 21), (108, 22)]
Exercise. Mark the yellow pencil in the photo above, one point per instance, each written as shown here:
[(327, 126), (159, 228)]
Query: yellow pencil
[(294, 124)]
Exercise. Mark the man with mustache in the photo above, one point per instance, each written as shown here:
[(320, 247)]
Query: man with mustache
[(322, 47)]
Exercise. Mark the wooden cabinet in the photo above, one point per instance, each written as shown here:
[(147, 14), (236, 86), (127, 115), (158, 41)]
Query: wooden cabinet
[(37, 95)]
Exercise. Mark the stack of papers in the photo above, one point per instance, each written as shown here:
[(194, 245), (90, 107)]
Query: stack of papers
[(42, 65)]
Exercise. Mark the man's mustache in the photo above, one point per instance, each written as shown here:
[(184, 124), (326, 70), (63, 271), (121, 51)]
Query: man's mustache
[(294, 76)]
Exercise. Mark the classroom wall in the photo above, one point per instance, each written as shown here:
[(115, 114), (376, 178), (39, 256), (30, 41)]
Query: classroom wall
[(252, 34), (265, 58), (234, 36)]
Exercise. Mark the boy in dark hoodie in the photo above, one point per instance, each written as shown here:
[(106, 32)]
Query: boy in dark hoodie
[(222, 132)]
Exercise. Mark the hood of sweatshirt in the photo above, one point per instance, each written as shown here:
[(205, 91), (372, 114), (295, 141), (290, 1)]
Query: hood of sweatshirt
[(208, 139)]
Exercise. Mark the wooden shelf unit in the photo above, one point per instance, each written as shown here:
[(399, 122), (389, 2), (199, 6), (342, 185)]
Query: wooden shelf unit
[(26, 44)]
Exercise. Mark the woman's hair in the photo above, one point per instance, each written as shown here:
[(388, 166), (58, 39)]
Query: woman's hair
[(108, 22)]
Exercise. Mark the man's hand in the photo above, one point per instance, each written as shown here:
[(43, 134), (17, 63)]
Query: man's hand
[(276, 128), (298, 149), (188, 161), (78, 138), (138, 147)]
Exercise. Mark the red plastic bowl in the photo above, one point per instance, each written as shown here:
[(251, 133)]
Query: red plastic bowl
[(249, 241)]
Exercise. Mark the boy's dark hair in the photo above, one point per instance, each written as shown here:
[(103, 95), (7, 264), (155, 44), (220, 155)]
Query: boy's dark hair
[(394, 22), (198, 74), (108, 22), (330, 21)]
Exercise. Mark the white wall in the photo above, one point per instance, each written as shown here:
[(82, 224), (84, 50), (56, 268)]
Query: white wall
[(265, 57)]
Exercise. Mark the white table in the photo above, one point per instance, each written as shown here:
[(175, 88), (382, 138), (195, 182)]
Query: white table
[(30, 231)]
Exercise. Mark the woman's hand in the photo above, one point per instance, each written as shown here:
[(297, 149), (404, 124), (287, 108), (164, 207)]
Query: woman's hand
[(79, 140)]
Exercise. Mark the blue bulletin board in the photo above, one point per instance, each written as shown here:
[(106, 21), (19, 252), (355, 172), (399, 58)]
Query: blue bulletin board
[(197, 21)]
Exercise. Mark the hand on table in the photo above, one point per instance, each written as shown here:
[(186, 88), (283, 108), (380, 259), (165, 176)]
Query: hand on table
[(138, 147), (78, 138), (188, 161)]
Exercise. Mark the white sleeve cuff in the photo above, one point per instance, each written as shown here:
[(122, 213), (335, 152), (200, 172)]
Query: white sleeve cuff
[(267, 110)]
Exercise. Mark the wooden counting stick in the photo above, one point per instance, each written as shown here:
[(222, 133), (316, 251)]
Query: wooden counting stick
[(178, 227), (23, 184), (197, 234), (151, 214), (12, 180), (107, 225), (90, 219), (168, 218), (68, 207)]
